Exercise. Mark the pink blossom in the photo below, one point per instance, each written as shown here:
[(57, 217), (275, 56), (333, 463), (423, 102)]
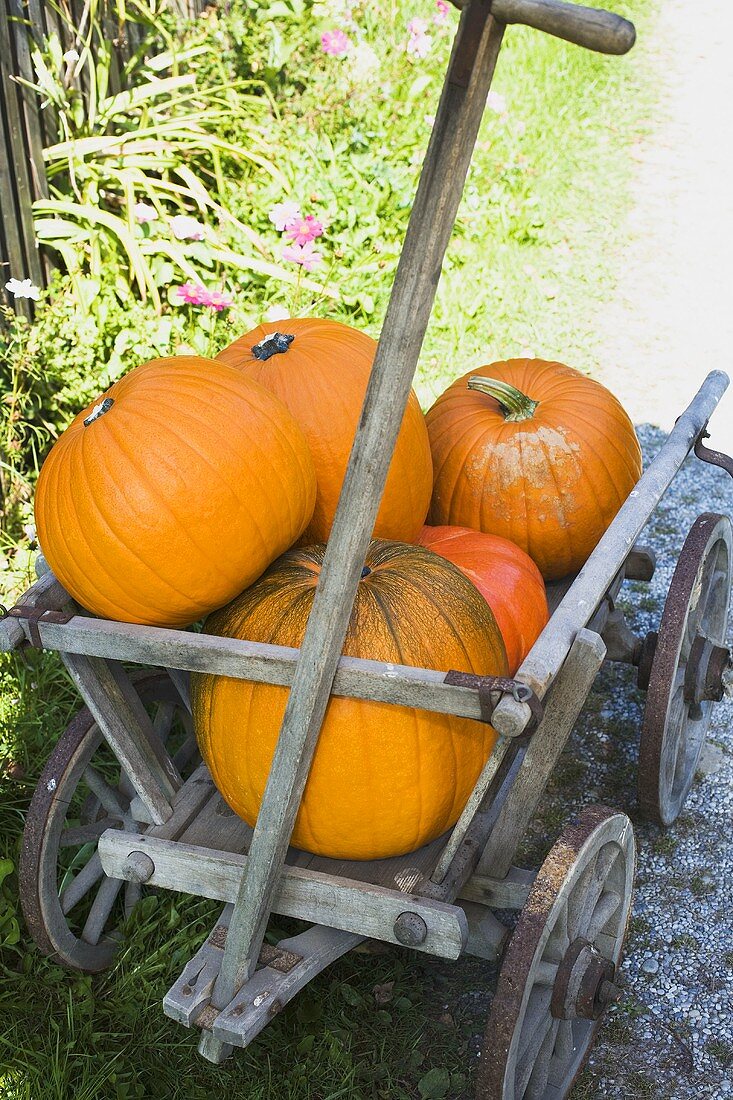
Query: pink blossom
[(194, 294), (144, 213), (420, 42), (335, 42), (187, 229), (284, 214), (218, 300), (441, 14), (304, 229), (303, 254)]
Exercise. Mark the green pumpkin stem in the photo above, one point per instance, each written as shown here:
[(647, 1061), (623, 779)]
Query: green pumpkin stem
[(99, 410), (514, 404), (276, 342)]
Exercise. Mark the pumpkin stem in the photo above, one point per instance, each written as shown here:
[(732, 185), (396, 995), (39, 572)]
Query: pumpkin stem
[(272, 344), (514, 404), (99, 410)]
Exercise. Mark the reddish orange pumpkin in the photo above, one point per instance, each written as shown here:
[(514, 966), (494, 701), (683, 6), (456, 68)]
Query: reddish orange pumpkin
[(385, 779), (535, 452), (506, 577), (319, 369), (174, 492)]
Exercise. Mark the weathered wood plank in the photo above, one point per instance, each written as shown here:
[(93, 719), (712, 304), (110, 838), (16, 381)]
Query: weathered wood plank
[(128, 731), (352, 906), (547, 742), (585, 594), (243, 660), (431, 223), (499, 893)]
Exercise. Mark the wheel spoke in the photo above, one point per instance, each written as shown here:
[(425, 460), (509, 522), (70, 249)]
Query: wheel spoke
[(564, 1044), (81, 884), (77, 835), (580, 897), (537, 1083), (133, 893), (163, 721), (106, 795), (537, 1013), (186, 753), (101, 909), (559, 939), (545, 973), (606, 906)]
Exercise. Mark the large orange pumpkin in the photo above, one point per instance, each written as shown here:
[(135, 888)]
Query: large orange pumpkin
[(385, 779), (535, 452), (173, 493), (506, 577), (320, 369)]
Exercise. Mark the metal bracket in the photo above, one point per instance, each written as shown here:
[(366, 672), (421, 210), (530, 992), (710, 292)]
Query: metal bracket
[(714, 458), (35, 615), (492, 688)]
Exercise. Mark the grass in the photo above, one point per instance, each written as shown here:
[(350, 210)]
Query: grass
[(530, 263)]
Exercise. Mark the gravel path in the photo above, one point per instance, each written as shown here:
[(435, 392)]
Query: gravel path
[(672, 1036), (671, 319)]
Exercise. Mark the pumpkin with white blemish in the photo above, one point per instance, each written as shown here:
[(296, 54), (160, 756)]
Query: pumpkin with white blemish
[(535, 452)]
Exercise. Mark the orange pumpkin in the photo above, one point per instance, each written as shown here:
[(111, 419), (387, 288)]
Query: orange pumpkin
[(506, 577), (535, 452), (173, 493), (385, 779), (320, 369)]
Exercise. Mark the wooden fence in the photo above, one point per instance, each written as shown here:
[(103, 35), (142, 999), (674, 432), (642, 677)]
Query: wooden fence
[(26, 126)]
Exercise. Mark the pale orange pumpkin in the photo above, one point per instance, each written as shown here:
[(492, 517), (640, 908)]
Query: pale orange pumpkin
[(319, 369), (535, 452), (506, 577), (385, 779), (173, 493)]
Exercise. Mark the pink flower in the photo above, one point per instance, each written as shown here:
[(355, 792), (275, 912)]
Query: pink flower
[(193, 294), (302, 230), (303, 254), (441, 14), (218, 301), (420, 41), (144, 213), (284, 214), (187, 229), (335, 43)]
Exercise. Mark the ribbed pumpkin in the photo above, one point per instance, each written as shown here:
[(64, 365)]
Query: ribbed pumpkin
[(385, 779), (320, 369), (173, 493), (535, 452), (506, 577)]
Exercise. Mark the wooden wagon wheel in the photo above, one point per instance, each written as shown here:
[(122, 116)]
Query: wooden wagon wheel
[(72, 909), (558, 973), (689, 669)]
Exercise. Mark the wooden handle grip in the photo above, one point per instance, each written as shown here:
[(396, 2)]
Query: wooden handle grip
[(593, 28)]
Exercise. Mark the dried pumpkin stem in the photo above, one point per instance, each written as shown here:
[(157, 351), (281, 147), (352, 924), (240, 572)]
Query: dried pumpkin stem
[(99, 410), (276, 342), (514, 404)]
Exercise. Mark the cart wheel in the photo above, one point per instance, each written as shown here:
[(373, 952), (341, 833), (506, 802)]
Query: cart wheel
[(689, 670), (72, 909), (557, 977)]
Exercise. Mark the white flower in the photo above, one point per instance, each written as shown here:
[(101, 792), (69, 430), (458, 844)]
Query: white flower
[(145, 213), (23, 288), (364, 61), (70, 57), (187, 229), (495, 102), (284, 214), (277, 313)]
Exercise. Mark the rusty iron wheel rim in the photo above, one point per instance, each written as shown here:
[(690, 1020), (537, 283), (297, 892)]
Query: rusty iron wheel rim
[(42, 837), (584, 888), (673, 732)]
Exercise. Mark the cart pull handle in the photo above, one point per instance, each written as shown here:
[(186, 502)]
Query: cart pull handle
[(492, 688), (593, 28), (714, 458)]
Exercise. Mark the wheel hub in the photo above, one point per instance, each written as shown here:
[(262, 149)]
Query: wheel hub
[(584, 985), (709, 671)]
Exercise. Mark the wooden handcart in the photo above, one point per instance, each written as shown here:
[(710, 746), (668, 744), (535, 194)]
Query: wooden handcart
[(124, 801)]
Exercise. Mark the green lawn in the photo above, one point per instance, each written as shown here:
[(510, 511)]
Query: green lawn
[(531, 261)]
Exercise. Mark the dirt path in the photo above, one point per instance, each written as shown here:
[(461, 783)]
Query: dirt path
[(671, 317)]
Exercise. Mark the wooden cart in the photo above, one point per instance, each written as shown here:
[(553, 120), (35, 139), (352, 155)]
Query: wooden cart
[(123, 801)]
